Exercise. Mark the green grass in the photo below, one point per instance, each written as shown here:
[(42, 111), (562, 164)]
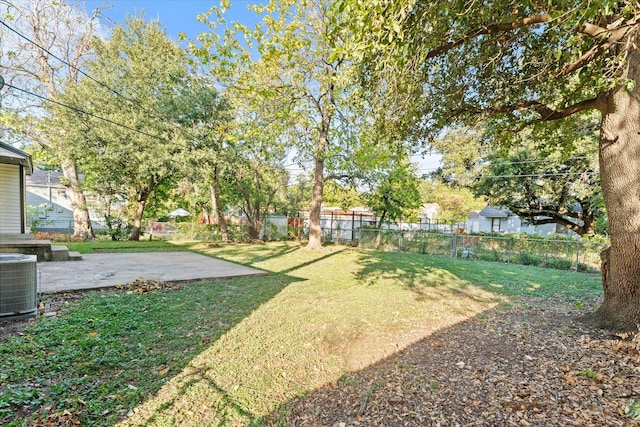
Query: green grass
[(232, 352), (96, 246)]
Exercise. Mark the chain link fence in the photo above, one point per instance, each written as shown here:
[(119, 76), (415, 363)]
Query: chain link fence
[(430, 237), (574, 255)]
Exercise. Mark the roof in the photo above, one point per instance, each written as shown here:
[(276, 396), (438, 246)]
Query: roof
[(40, 177), (474, 215), (12, 156), (493, 212)]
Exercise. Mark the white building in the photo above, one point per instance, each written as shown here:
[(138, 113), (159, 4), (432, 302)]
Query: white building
[(50, 204), (499, 219)]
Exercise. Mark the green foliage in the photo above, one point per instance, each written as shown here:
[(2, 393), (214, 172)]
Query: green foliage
[(396, 194), (34, 221), (297, 93), (139, 147), (455, 203), (588, 373), (342, 196), (284, 334), (526, 258), (633, 410), (559, 263), (117, 228), (563, 186)]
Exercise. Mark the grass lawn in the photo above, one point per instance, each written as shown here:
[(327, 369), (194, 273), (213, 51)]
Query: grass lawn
[(105, 246), (231, 352)]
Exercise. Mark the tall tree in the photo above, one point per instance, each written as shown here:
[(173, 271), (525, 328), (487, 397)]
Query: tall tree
[(254, 181), (122, 128), (532, 63), (291, 56), (537, 180), (207, 116), (44, 45)]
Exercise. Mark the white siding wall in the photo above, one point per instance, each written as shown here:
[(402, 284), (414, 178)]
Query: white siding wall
[(10, 212)]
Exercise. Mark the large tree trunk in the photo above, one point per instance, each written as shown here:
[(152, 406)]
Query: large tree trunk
[(141, 199), (254, 229), (217, 206), (137, 220), (315, 230), (81, 221), (620, 180)]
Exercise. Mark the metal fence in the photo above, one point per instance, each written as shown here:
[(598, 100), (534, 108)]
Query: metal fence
[(574, 255), (427, 237)]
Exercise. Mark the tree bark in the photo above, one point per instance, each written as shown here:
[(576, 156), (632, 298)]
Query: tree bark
[(143, 196), (217, 206), (315, 230), (619, 156), (137, 220), (81, 220)]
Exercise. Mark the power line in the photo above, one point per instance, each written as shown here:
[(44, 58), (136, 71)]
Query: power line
[(80, 111), (540, 175), (19, 34), (535, 161), (115, 92)]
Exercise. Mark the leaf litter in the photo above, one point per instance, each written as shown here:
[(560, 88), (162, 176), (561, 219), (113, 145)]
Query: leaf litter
[(530, 364)]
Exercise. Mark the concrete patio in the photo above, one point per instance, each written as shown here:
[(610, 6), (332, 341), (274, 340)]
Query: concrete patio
[(107, 270)]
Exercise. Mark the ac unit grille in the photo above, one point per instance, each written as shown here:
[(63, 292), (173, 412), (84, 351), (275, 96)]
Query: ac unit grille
[(18, 286)]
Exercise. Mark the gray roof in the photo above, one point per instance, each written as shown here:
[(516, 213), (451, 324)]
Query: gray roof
[(40, 177), (12, 156), (493, 212)]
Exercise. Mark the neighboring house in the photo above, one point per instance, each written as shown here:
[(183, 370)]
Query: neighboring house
[(50, 204), (15, 165), (429, 212), (499, 219)]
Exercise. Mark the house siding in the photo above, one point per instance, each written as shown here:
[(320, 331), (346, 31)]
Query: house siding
[(11, 201)]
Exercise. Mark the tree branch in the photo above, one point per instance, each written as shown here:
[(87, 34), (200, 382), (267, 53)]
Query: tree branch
[(547, 113), (553, 218), (614, 36), (490, 29)]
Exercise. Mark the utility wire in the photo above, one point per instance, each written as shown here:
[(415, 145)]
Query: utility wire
[(540, 175), (115, 92), (80, 111), (19, 34)]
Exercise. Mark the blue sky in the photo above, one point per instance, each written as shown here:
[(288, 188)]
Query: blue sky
[(174, 15), (180, 15)]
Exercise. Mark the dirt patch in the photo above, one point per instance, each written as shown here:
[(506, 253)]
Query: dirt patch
[(526, 365)]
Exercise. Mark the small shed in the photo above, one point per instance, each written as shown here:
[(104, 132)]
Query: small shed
[(15, 165)]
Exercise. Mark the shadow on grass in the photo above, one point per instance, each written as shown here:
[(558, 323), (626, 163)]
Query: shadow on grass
[(423, 274), (258, 252), (477, 372), (228, 352), (312, 262), (112, 350)]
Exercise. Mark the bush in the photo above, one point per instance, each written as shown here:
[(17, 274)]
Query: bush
[(525, 258), (196, 231), (57, 237), (117, 228), (559, 263)]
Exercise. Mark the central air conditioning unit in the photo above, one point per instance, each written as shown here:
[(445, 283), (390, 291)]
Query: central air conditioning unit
[(18, 286)]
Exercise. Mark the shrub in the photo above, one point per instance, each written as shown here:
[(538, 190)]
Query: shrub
[(526, 258), (559, 263)]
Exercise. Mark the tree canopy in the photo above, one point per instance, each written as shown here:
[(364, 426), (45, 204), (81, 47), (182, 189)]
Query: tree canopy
[(122, 127), (518, 65)]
